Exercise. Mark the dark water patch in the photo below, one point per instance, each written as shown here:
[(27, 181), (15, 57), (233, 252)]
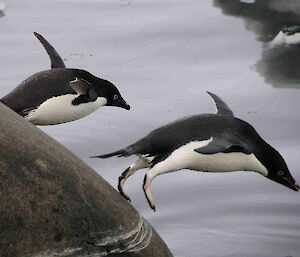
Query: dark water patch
[(275, 23), (265, 18), (280, 66)]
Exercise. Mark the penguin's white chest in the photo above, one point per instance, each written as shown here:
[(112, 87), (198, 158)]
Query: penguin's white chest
[(186, 158), (59, 109)]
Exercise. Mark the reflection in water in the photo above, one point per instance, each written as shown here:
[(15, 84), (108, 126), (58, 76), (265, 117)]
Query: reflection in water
[(2, 7), (280, 65), (277, 24)]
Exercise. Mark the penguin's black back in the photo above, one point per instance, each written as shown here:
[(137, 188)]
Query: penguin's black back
[(164, 140), (39, 87)]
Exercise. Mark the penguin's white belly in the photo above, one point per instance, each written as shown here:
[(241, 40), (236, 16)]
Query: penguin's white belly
[(186, 158), (59, 109)]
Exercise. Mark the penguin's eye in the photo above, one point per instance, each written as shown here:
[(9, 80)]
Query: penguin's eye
[(280, 173), (115, 97)]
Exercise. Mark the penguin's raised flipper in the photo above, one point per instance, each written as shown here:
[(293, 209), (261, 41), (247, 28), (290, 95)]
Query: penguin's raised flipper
[(83, 87), (85, 91), (80, 86), (223, 145), (56, 60), (222, 107)]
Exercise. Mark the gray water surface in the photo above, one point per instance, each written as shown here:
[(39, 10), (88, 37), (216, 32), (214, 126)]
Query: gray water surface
[(163, 56)]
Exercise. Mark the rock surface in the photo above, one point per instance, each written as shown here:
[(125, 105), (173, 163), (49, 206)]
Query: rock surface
[(52, 204)]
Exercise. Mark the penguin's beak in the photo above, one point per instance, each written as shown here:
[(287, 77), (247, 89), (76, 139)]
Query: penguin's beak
[(293, 185), (126, 106), (121, 103), (287, 181)]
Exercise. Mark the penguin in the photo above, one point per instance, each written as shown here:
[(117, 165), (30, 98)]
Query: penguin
[(61, 94), (216, 142)]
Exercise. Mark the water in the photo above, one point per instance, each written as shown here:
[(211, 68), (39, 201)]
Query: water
[(163, 56)]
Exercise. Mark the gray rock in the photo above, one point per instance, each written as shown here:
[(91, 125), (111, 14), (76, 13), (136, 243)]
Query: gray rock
[(52, 204)]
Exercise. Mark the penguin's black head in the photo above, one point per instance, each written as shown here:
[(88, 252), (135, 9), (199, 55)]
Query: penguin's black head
[(95, 87), (111, 93), (279, 172)]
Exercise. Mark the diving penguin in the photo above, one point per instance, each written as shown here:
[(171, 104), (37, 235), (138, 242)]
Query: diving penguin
[(61, 95), (206, 142)]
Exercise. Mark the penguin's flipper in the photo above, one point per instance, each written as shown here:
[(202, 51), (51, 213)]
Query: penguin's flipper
[(85, 91), (56, 60), (80, 86), (83, 87), (223, 145), (25, 112), (222, 107)]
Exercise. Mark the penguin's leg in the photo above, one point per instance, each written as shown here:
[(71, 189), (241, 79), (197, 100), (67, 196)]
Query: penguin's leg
[(170, 164), (146, 187), (149, 176), (141, 163)]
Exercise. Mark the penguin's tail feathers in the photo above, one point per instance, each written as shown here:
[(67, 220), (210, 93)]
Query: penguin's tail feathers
[(120, 153)]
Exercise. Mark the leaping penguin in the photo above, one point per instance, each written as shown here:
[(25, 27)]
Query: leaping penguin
[(61, 95), (206, 142)]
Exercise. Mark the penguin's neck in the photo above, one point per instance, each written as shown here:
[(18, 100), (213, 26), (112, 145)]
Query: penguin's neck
[(265, 154)]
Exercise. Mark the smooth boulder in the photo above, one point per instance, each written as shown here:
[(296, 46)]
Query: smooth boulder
[(53, 204)]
